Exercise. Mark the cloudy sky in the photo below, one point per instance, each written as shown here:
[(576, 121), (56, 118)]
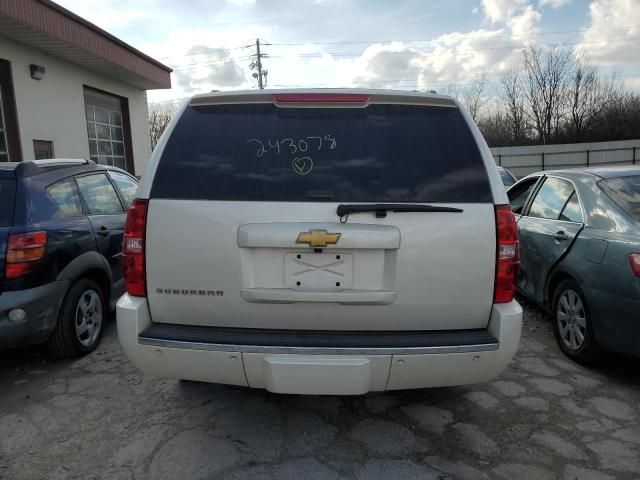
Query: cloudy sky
[(412, 44)]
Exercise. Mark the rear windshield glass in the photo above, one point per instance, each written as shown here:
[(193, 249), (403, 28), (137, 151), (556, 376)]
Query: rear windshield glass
[(7, 194), (625, 191), (382, 153)]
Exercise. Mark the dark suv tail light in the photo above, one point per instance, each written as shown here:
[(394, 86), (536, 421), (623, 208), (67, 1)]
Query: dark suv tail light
[(507, 255), (133, 249), (24, 251)]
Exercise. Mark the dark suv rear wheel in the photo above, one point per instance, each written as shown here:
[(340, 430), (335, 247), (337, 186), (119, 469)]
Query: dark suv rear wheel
[(572, 323), (81, 319)]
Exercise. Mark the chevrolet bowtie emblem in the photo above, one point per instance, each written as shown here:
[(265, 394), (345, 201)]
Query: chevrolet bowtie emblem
[(318, 238)]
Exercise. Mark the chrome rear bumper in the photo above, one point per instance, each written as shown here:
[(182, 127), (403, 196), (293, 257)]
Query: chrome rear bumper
[(331, 363)]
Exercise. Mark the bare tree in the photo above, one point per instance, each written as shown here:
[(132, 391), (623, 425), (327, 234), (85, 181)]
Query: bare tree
[(514, 97), (452, 90), (588, 95), (496, 128), (160, 115), (546, 72), (474, 96), (558, 97)]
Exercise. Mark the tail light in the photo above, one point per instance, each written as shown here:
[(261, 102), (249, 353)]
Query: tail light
[(507, 255), (24, 251), (634, 259), (133, 249)]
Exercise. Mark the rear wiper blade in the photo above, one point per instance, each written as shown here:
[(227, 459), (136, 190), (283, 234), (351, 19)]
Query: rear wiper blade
[(381, 209)]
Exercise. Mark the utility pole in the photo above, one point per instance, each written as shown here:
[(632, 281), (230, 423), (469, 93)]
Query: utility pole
[(256, 64)]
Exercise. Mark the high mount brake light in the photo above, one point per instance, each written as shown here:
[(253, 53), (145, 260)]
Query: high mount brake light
[(321, 97)]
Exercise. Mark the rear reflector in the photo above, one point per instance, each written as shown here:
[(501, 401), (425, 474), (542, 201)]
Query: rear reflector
[(507, 255), (634, 259), (24, 251), (133, 249), (320, 98)]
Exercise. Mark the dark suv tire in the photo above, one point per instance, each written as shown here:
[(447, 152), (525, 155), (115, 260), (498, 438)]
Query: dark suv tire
[(572, 324), (80, 322)]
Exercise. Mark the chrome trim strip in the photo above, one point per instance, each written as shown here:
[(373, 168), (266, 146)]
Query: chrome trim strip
[(343, 297), (218, 347)]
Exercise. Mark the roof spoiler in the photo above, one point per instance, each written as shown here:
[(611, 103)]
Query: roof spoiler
[(321, 97), (33, 167)]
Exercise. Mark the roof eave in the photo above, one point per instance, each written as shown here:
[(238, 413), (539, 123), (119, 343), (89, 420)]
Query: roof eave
[(46, 26)]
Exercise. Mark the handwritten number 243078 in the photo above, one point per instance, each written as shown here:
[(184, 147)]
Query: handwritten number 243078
[(293, 146)]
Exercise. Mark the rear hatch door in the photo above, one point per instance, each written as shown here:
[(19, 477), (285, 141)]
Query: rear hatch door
[(243, 229)]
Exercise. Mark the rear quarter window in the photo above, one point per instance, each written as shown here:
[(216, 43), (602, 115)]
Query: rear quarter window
[(382, 153), (127, 186), (7, 201), (625, 191), (65, 195)]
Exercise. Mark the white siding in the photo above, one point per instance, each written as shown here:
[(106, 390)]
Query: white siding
[(53, 108)]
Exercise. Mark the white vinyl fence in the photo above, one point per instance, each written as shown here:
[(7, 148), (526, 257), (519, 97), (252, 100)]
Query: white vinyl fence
[(522, 161)]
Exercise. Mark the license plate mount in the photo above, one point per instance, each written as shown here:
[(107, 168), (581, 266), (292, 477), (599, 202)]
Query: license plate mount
[(318, 271)]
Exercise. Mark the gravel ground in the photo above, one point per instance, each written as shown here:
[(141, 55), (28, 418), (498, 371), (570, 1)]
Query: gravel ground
[(97, 417)]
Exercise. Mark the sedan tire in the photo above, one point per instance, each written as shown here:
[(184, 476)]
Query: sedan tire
[(572, 323)]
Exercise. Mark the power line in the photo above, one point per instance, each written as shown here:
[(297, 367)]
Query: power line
[(482, 35), (413, 52), (415, 85), (356, 54), (190, 66), (207, 52)]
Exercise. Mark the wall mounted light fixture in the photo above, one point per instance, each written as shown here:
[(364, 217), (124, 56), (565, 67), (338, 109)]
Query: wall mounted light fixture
[(37, 71)]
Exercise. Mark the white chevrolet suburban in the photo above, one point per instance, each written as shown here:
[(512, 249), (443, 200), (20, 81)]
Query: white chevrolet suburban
[(321, 242)]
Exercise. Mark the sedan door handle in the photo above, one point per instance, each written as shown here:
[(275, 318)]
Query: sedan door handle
[(104, 231), (560, 236)]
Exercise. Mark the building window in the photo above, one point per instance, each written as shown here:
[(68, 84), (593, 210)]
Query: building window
[(108, 130), (42, 149)]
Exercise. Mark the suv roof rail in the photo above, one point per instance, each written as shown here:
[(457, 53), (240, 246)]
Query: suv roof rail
[(34, 167)]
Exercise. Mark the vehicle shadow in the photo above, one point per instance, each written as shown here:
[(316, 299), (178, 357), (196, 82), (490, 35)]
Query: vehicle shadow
[(625, 369), (622, 368), (36, 357)]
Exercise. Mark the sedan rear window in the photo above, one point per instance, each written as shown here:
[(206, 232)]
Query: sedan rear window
[(625, 191), (381, 153), (7, 197)]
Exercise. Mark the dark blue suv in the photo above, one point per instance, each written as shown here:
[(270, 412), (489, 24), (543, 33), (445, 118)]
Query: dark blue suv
[(61, 226)]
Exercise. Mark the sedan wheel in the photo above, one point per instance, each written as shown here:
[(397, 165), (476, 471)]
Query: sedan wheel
[(571, 318), (572, 323)]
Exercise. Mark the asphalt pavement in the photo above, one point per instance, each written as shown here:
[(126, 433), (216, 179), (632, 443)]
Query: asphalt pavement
[(99, 418)]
